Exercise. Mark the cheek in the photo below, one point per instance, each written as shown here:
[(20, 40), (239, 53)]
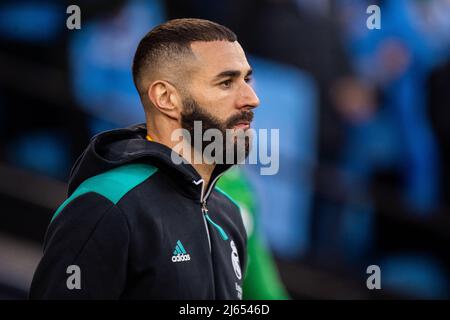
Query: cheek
[(220, 105)]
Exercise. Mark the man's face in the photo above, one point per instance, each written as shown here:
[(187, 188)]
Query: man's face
[(219, 89)]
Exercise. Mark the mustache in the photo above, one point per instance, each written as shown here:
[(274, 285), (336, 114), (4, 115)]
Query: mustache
[(246, 116)]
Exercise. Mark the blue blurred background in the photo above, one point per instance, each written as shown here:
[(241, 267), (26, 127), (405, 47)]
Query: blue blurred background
[(364, 119)]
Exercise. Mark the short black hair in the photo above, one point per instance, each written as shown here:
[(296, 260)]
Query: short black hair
[(171, 40)]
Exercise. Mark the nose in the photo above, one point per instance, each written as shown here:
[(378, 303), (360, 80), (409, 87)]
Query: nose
[(248, 98)]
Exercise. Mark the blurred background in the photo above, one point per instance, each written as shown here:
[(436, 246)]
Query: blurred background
[(364, 119)]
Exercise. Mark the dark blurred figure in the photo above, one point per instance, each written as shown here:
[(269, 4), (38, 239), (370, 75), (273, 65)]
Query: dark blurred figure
[(45, 130), (439, 113)]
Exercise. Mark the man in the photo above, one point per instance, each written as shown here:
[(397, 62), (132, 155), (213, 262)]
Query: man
[(136, 225)]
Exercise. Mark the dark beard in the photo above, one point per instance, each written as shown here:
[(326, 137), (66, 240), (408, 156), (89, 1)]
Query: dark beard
[(193, 112)]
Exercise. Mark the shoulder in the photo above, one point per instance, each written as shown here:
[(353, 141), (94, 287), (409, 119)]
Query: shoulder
[(111, 185)]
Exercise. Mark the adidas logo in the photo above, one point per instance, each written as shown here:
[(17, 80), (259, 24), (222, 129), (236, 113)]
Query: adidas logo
[(179, 254)]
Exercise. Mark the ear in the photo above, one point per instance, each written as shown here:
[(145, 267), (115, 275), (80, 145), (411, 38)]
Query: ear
[(165, 97)]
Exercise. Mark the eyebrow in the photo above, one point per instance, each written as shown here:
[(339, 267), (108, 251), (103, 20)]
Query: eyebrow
[(231, 74)]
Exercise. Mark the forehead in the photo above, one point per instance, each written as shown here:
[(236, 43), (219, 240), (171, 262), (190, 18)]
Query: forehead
[(216, 56)]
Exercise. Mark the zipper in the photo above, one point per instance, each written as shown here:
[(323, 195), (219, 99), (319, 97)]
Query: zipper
[(204, 213), (210, 188), (203, 198)]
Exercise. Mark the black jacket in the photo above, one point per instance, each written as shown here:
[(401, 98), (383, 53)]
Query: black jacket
[(137, 226)]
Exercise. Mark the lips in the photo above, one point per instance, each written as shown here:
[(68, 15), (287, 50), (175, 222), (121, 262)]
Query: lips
[(241, 121), (242, 125)]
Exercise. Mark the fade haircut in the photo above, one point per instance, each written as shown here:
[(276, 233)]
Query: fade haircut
[(164, 47)]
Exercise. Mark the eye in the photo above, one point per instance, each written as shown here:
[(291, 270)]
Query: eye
[(249, 79), (226, 84)]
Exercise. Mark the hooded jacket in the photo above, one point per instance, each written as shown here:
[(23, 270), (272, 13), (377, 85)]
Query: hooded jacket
[(137, 226)]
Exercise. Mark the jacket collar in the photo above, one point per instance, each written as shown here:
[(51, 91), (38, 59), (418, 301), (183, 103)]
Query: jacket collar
[(114, 148)]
